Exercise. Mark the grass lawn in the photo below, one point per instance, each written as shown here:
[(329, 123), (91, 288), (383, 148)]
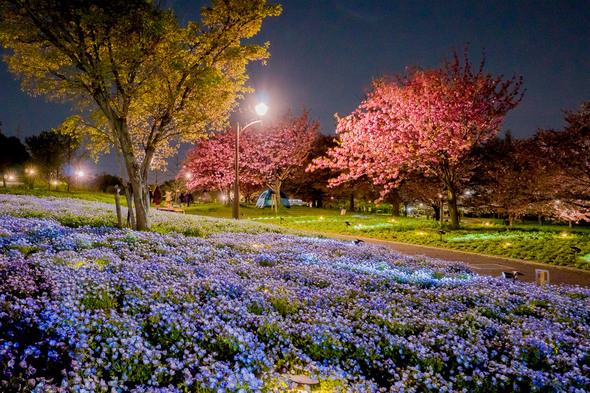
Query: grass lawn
[(551, 244)]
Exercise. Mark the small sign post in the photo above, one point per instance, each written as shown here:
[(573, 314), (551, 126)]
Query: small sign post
[(542, 276)]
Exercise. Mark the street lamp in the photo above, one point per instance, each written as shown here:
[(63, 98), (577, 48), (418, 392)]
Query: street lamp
[(30, 172), (260, 110), (80, 175)]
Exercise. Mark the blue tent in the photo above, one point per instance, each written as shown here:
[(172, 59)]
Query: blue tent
[(265, 199)]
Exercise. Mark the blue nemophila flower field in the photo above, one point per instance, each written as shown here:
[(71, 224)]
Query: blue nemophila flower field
[(241, 307)]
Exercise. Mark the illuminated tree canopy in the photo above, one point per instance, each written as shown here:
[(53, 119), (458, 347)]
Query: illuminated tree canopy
[(422, 121), (142, 81)]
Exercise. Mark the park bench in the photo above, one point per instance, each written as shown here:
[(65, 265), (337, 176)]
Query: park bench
[(172, 209)]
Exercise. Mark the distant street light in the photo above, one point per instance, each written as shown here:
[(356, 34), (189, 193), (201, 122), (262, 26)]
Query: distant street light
[(261, 110), (80, 175), (30, 173)]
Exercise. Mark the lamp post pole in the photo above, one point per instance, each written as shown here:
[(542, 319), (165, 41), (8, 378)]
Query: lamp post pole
[(236, 202), (236, 206), (260, 110)]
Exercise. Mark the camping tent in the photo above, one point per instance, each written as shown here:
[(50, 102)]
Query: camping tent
[(265, 199)]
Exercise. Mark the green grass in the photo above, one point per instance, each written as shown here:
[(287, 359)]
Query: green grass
[(528, 241), (524, 241), (44, 192)]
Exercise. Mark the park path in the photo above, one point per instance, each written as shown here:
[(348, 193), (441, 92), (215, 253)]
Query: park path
[(485, 264)]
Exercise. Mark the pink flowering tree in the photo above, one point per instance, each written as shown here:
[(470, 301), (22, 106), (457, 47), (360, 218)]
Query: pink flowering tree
[(210, 164), (565, 154), (273, 152), (424, 121)]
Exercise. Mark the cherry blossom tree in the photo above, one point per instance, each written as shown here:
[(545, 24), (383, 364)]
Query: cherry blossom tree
[(313, 188), (425, 121), (210, 164), (566, 153), (273, 152)]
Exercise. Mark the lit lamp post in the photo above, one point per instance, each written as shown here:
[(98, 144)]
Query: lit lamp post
[(30, 173), (80, 175), (260, 110)]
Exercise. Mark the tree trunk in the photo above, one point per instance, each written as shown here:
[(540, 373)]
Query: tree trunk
[(276, 187), (137, 177), (319, 202), (447, 177), (436, 209), (394, 199), (395, 211), (452, 206), (540, 218), (351, 203), (570, 223)]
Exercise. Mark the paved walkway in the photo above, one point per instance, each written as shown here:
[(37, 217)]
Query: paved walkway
[(486, 264)]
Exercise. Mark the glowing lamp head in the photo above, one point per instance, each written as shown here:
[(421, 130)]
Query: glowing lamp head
[(507, 244), (564, 235), (261, 109), (10, 177), (80, 173)]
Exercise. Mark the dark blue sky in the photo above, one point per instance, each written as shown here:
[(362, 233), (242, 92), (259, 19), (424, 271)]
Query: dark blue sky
[(324, 54)]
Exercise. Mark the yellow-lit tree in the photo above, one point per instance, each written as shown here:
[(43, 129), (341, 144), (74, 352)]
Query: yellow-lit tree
[(146, 81)]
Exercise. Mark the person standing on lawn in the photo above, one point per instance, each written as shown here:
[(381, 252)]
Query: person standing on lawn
[(168, 198), (157, 196)]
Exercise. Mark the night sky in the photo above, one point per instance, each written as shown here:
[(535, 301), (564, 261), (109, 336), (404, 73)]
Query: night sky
[(325, 53)]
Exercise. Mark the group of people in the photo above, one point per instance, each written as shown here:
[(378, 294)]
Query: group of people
[(171, 199)]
